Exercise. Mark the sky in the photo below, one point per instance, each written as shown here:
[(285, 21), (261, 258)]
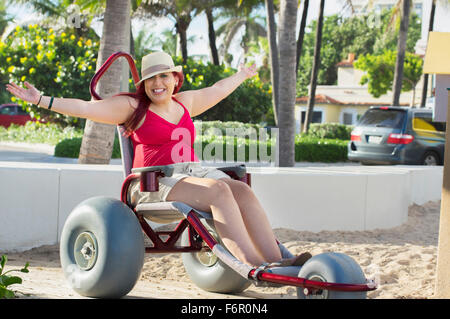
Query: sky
[(198, 26)]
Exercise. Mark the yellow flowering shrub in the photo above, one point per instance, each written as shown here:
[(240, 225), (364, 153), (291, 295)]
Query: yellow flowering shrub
[(59, 64)]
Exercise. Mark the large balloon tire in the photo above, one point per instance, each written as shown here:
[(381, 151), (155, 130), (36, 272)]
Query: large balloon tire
[(207, 271), (102, 248), (336, 268)]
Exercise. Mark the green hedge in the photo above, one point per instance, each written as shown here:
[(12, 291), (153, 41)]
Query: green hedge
[(307, 149), (210, 143), (312, 149), (330, 131), (36, 132), (210, 127), (71, 148)]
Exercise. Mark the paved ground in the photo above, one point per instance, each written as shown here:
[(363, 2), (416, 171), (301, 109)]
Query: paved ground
[(38, 153), (42, 153)]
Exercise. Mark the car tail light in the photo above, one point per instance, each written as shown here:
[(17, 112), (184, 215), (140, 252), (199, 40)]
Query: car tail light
[(400, 138), (355, 135), (355, 138)]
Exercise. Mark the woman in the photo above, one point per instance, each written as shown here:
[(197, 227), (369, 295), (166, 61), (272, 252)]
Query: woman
[(150, 116)]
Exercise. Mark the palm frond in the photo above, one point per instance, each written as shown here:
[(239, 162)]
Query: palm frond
[(229, 36)]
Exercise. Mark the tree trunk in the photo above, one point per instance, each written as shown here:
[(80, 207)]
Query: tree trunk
[(212, 36), (425, 76), (315, 70), (273, 53), (98, 138), (246, 40), (286, 115), (132, 49), (301, 33), (413, 97), (181, 26), (401, 50)]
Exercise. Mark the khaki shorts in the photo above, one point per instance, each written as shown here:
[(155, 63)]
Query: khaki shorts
[(181, 170)]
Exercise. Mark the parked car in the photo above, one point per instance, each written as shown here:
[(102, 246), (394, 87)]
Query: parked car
[(13, 114), (397, 135)]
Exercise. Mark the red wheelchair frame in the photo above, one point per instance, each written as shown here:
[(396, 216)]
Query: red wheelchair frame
[(149, 182)]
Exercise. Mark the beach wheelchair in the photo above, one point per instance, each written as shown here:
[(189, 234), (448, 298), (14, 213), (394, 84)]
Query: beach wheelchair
[(102, 242)]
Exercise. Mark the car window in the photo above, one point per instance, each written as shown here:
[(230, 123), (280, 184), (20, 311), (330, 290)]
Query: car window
[(424, 122), (21, 111), (383, 118), (8, 110)]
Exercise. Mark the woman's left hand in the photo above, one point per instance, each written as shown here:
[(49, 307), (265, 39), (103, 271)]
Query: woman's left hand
[(248, 71)]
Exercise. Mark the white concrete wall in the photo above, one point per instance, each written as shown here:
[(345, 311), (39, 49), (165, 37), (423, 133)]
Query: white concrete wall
[(36, 198)]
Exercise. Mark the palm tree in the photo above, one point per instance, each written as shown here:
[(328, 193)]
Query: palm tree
[(240, 17), (402, 9), (301, 32), (181, 11), (273, 49), (273, 54), (253, 28), (401, 51), (98, 138), (145, 41), (212, 35), (287, 51), (315, 69), (4, 17), (208, 7), (425, 76), (316, 61)]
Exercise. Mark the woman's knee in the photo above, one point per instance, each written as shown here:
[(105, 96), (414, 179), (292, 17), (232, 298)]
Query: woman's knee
[(240, 190), (200, 193), (219, 191)]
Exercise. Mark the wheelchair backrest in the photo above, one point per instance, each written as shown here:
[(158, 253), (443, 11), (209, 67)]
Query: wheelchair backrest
[(126, 150), (126, 146)]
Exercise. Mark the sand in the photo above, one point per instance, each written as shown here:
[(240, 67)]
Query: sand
[(402, 259)]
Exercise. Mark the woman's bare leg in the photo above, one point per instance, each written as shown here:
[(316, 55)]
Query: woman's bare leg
[(216, 196), (255, 220)]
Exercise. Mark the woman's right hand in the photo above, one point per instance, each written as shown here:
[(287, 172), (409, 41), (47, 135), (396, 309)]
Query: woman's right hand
[(30, 95)]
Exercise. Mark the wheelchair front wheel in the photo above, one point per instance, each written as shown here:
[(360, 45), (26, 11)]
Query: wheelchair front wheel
[(207, 271), (332, 267)]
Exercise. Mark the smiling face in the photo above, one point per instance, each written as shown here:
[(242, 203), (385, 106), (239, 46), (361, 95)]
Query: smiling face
[(160, 87)]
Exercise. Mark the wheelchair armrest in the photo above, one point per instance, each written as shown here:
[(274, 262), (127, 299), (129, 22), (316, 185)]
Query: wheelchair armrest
[(238, 172), (150, 175), (167, 170)]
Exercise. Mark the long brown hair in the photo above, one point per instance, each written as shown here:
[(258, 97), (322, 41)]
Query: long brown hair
[(143, 103)]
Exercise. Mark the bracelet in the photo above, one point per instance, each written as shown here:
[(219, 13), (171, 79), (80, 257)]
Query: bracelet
[(39, 100), (51, 102)]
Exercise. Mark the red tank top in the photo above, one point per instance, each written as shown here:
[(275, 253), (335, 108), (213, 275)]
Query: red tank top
[(160, 142)]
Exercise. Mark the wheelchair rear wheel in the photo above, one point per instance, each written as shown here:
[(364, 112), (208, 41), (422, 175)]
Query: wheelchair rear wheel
[(102, 248)]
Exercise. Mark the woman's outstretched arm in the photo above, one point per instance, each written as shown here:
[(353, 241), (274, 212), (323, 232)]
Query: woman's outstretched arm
[(201, 100), (113, 110)]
